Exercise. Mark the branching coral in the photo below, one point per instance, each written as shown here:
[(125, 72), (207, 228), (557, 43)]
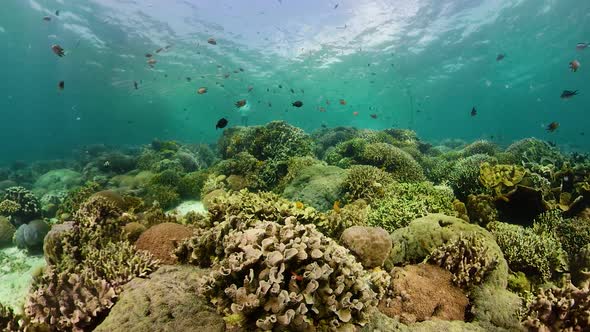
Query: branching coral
[(365, 182), (560, 309), (8, 319), (76, 197), (466, 258), (527, 251), (405, 202), (21, 205), (289, 275)]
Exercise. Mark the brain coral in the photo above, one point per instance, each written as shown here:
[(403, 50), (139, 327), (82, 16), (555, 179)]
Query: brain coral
[(160, 240), (289, 275)]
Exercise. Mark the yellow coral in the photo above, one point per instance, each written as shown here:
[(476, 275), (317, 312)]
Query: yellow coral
[(500, 178)]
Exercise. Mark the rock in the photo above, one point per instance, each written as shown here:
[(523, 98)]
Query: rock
[(56, 180), (317, 185), (188, 206), (30, 236), (424, 292), (161, 240), (167, 302), (371, 245)]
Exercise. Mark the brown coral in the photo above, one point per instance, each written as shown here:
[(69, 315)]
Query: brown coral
[(423, 292), (161, 240), (560, 309)]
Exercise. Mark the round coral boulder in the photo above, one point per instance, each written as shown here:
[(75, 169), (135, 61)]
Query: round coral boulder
[(6, 232), (371, 245), (161, 240)]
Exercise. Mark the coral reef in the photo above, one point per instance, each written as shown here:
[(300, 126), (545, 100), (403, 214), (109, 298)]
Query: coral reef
[(6, 232), (371, 245), (404, 202), (481, 209), (480, 147), (525, 250), (464, 175), (8, 319), (423, 292), (167, 301), (161, 240), (365, 182), (466, 258), (399, 163), (21, 205), (560, 309), (500, 178), (532, 150), (318, 186), (288, 275)]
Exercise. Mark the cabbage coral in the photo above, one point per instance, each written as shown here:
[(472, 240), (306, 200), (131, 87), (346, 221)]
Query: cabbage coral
[(290, 275)]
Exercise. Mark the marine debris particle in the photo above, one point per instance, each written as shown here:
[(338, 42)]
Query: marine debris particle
[(212, 41)]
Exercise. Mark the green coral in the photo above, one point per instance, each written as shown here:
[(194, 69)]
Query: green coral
[(6, 232), (21, 205), (404, 202), (365, 182), (466, 258), (481, 209), (525, 250), (191, 184), (166, 196), (500, 178), (76, 197), (535, 151), (394, 160), (318, 186), (464, 176), (480, 147)]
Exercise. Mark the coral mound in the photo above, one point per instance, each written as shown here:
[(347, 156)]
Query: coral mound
[(423, 292), (560, 309), (370, 244), (161, 240), (289, 275)]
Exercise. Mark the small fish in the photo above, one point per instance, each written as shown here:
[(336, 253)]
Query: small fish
[(374, 116), (321, 109), (61, 85), (269, 104), (336, 206), (574, 65), (327, 102), (250, 88), (241, 69), (57, 12), (46, 18), (299, 205), (500, 57), (221, 123), (552, 126), (212, 41), (188, 79), (298, 103), (582, 46), (135, 85), (202, 90), (292, 91), (473, 111), (58, 50), (342, 102), (241, 103), (335, 6), (159, 50), (296, 276), (236, 71), (280, 86), (324, 126), (226, 75), (567, 94), (148, 55), (355, 113), (152, 62)]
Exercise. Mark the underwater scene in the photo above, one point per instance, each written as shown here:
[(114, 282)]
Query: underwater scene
[(295, 165)]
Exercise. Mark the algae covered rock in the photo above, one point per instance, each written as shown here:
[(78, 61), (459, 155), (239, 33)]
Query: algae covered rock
[(371, 245), (57, 179), (317, 185), (167, 301), (30, 236)]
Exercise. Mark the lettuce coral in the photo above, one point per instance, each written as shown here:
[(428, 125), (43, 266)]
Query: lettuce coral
[(288, 275)]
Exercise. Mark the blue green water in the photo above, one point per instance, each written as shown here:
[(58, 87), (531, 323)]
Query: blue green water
[(414, 64)]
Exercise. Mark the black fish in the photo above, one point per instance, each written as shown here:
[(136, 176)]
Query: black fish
[(566, 94), (500, 57), (135, 85), (473, 111), (57, 12), (61, 85), (280, 86), (335, 6), (298, 103), (292, 91), (221, 123), (188, 79)]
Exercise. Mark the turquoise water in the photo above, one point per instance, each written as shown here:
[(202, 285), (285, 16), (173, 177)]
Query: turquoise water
[(414, 64)]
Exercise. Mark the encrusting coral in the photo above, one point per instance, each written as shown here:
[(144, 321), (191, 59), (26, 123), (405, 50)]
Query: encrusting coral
[(466, 258), (288, 276)]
